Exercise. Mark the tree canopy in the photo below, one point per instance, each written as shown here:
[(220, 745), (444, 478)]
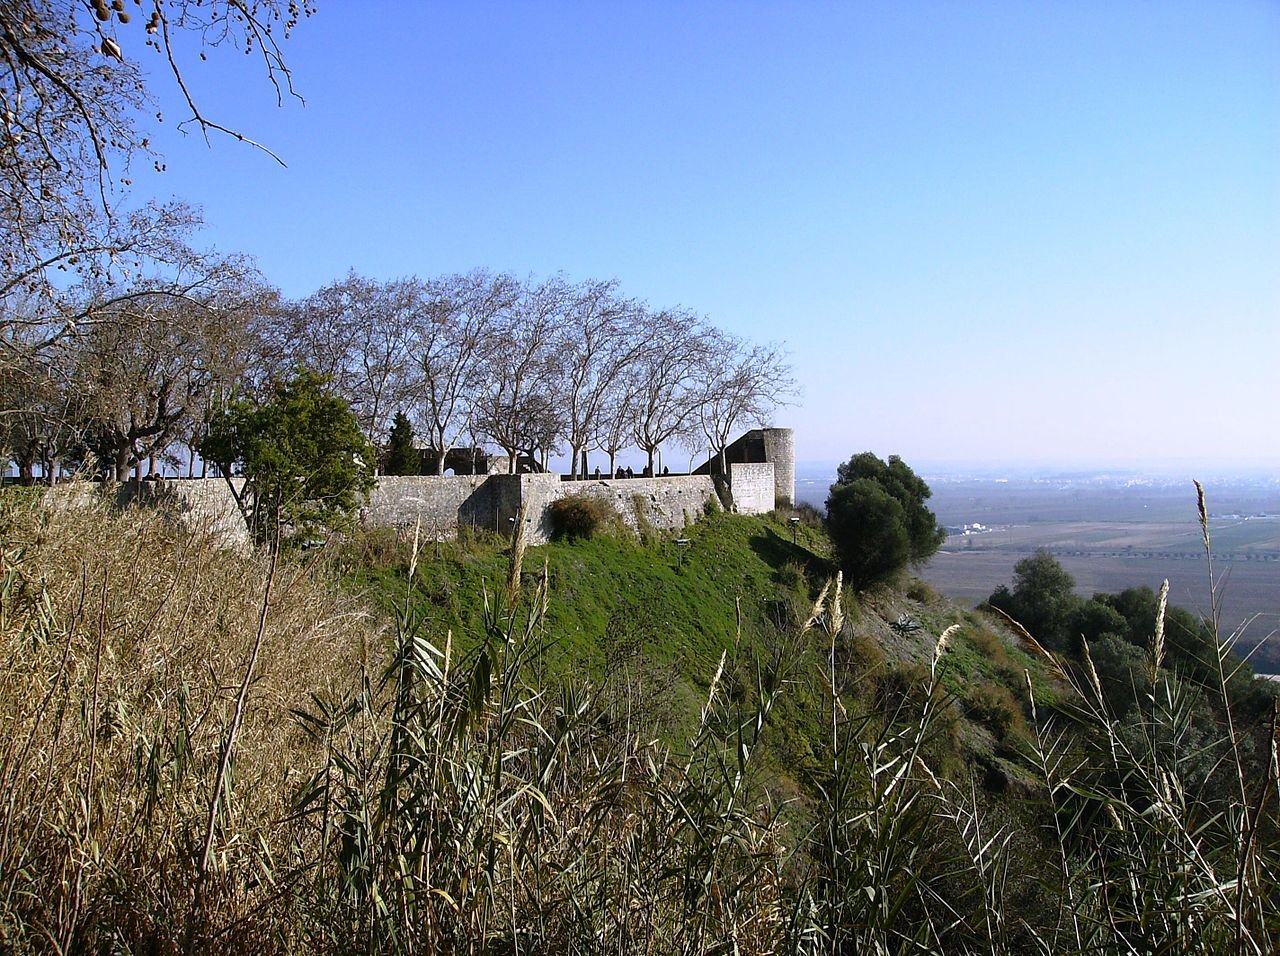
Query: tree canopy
[(303, 457), (877, 518)]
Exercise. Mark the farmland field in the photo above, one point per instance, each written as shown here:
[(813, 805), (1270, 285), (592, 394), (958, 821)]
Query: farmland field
[(1111, 533)]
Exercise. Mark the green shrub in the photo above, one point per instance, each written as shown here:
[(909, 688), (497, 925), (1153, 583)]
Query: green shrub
[(864, 654), (809, 516), (791, 576), (995, 706), (902, 690), (379, 548), (579, 516), (918, 590)]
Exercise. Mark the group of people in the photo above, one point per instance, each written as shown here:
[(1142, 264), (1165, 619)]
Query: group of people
[(646, 472)]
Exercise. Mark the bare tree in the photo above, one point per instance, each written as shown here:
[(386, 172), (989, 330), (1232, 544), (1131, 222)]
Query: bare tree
[(459, 324), (599, 344), (361, 335), (514, 407), (71, 90), (150, 359), (615, 427), (740, 384), (668, 389)]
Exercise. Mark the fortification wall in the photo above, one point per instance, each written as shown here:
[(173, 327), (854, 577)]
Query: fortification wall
[(494, 501), (752, 487), (204, 504), (780, 450), (667, 503), (440, 503)]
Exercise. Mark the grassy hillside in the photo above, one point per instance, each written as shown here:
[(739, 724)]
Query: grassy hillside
[(649, 619)]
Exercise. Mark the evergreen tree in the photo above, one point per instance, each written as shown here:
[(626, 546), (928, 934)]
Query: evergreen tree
[(877, 518), (305, 462), (402, 458)]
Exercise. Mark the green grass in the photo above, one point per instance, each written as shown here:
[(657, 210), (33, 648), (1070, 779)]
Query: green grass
[(609, 591), (637, 618)]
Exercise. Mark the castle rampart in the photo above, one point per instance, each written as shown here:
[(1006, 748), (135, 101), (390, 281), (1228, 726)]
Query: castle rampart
[(440, 505)]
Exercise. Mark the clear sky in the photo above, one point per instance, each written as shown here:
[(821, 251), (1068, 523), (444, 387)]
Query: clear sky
[(985, 231)]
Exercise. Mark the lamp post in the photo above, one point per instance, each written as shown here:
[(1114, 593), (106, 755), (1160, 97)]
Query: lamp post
[(795, 523), (681, 545)]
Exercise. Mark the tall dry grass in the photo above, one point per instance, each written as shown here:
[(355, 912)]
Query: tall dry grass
[(125, 641)]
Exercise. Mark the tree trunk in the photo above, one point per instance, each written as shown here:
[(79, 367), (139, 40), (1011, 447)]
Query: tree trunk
[(650, 452), (120, 471)]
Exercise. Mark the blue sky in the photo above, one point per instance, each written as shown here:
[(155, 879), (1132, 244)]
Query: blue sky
[(986, 231)]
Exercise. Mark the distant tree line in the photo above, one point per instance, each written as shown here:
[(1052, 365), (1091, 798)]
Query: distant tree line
[(120, 376)]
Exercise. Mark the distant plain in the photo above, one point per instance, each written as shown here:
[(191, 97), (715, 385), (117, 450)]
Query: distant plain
[(1111, 532)]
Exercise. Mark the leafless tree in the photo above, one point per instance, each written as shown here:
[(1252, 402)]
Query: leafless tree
[(599, 344), (521, 374), (668, 389), (460, 323), (739, 384), (151, 358), (361, 334), (616, 424), (71, 90)]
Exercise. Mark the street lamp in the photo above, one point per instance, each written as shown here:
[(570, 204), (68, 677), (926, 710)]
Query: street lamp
[(681, 545), (795, 523)]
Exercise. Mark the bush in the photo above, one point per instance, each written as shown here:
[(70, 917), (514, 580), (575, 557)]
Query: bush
[(868, 531), (995, 706), (863, 654), (918, 590), (792, 577), (580, 516)]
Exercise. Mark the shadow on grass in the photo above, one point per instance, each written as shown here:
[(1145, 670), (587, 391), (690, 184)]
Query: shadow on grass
[(776, 550)]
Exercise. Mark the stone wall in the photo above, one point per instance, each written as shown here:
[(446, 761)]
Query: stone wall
[(667, 503), (780, 450), (775, 446), (493, 501), (205, 504), (441, 504), (753, 487)]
